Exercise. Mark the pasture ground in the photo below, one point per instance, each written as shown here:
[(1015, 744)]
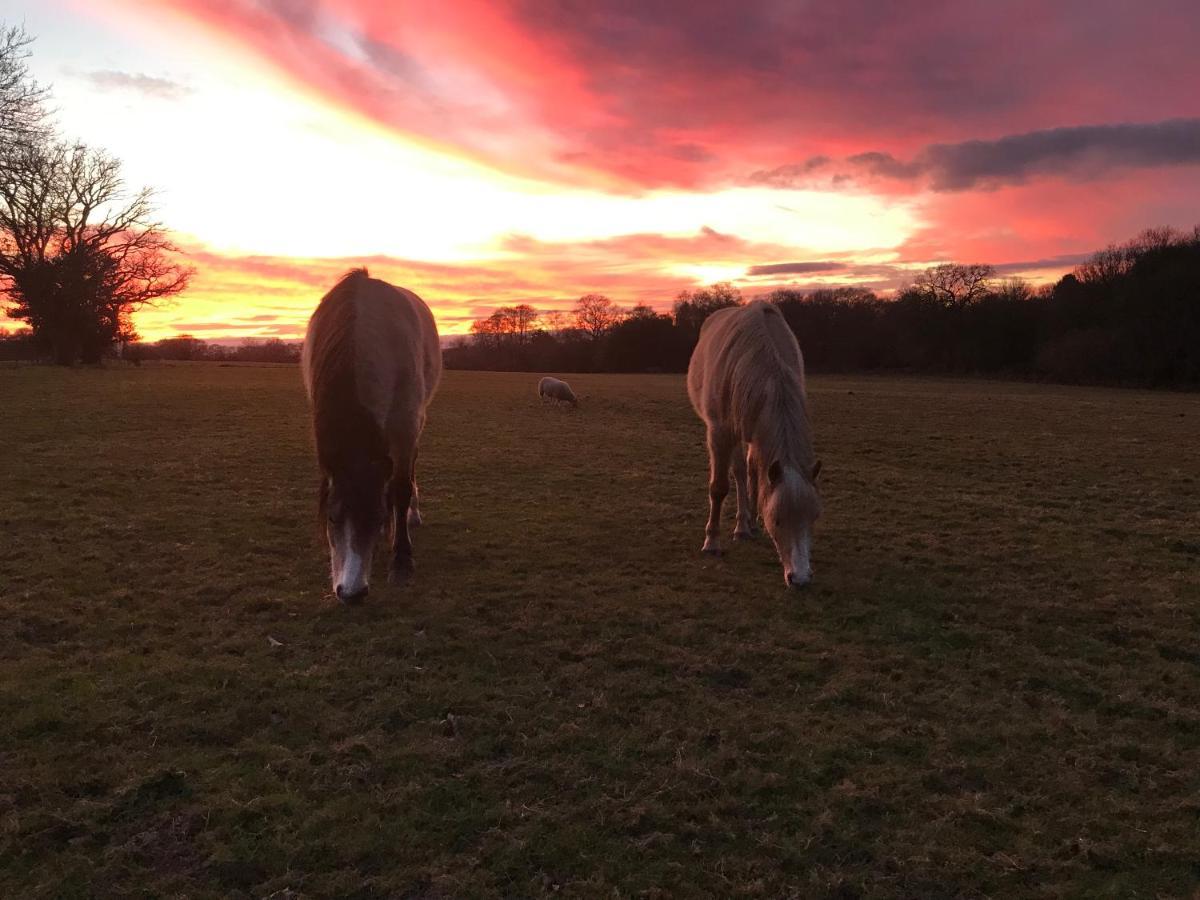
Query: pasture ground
[(992, 688)]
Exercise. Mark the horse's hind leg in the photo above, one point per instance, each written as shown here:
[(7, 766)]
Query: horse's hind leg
[(402, 497), (745, 527), (752, 490), (414, 509), (719, 446)]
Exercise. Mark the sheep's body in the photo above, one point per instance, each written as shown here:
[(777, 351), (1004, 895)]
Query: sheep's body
[(556, 389)]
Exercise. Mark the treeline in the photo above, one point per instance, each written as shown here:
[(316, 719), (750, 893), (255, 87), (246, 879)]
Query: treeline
[(186, 348), (21, 346), (1129, 315)]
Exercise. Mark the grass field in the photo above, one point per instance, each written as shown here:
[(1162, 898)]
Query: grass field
[(991, 688)]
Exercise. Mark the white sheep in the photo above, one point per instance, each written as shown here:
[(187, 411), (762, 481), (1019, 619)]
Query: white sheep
[(556, 389)]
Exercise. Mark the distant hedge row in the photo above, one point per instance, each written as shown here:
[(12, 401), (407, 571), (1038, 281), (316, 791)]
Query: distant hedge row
[(1130, 315)]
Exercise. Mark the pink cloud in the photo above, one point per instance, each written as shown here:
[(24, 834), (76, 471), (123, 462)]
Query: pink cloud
[(654, 94)]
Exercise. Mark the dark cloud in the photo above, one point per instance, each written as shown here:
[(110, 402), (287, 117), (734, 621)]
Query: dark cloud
[(401, 66), (719, 52), (147, 85), (300, 14), (188, 327), (1065, 263), (882, 277), (715, 235), (1076, 152), (690, 153), (1082, 150), (795, 268), (885, 165), (793, 173)]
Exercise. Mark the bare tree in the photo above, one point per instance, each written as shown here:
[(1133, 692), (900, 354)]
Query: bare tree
[(78, 251), (1117, 260), (693, 307), (506, 323), (524, 322), (22, 111), (954, 284), (1104, 266), (487, 332), (1015, 289), (555, 321), (595, 315)]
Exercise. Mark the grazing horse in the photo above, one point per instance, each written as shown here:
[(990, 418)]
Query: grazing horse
[(371, 363), (556, 389), (746, 381)]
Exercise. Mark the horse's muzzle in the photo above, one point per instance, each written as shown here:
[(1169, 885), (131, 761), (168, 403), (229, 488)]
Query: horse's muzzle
[(351, 599), (796, 580)]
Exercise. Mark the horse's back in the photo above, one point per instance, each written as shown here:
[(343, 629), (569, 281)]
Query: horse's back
[(391, 337), (399, 360), (705, 362), (717, 353), (735, 347)]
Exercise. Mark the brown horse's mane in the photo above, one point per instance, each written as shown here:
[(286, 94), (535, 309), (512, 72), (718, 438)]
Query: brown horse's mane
[(348, 438)]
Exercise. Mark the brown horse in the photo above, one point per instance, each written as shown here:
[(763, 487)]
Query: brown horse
[(746, 381), (371, 363)]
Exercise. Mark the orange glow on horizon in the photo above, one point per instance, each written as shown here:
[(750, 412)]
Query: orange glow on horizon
[(487, 153), (235, 298)]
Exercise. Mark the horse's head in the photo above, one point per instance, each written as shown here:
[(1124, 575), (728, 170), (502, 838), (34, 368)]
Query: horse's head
[(791, 504), (354, 504)]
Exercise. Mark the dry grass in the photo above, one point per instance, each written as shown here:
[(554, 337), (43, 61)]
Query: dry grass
[(992, 688)]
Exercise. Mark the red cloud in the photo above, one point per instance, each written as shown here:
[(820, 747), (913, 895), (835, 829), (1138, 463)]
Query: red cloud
[(685, 94), (1049, 219)]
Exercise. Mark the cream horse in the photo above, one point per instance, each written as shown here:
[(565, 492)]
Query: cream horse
[(371, 363), (746, 381)]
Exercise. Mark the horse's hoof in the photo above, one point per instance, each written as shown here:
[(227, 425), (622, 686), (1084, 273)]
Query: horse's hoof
[(400, 571), (744, 535), (414, 518), (712, 551)]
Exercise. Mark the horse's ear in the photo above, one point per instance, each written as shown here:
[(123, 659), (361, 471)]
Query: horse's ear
[(816, 470), (774, 473)]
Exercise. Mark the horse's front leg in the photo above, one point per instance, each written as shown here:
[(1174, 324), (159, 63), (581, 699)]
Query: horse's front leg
[(719, 446), (746, 526), (401, 489)]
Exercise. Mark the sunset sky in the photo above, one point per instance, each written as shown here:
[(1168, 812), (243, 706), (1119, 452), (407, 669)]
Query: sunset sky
[(487, 153)]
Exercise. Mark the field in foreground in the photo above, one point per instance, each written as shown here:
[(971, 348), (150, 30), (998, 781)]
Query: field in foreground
[(993, 686)]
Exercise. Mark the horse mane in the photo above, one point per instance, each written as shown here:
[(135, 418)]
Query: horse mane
[(768, 393), (346, 434)]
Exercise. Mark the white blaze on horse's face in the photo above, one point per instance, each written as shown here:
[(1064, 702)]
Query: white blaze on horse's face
[(792, 507), (350, 567), (798, 571), (356, 513)]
